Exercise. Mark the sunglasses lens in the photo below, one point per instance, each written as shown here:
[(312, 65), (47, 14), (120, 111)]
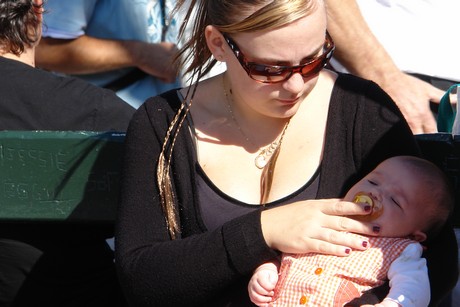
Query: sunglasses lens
[(312, 68), (272, 74), (268, 74)]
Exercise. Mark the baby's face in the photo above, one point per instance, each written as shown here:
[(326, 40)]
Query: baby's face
[(397, 198)]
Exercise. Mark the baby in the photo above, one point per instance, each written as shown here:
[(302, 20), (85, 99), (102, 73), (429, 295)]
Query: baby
[(412, 199)]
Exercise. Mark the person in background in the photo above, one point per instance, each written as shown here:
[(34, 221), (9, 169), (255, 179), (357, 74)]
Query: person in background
[(47, 266), (124, 45), (395, 192), (404, 56), (226, 174)]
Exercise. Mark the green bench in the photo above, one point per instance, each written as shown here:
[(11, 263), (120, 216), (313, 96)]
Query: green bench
[(59, 176), (66, 176)]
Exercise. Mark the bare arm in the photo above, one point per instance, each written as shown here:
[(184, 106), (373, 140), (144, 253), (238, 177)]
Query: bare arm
[(357, 47), (361, 53), (86, 54)]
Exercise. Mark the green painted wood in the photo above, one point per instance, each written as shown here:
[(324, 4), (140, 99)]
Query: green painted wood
[(59, 175)]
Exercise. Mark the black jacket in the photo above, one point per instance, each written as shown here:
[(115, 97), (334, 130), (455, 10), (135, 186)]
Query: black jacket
[(210, 268)]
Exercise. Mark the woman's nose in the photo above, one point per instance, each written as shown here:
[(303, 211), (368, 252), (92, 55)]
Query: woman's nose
[(294, 84)]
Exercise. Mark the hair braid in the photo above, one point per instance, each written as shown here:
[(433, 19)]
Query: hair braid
[(164, 165)]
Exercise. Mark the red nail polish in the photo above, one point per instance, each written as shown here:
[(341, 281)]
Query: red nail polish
[(347, 251), (364, 243), (367, 208), (376, 229)]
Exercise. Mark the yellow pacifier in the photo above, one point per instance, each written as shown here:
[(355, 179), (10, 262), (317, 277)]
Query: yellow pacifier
[(376, 208)]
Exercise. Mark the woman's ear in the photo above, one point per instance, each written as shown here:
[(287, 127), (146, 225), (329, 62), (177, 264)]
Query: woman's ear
[(215, 42)]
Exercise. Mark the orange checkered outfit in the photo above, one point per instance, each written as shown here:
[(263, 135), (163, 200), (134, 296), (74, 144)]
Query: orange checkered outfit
[(325, 280)]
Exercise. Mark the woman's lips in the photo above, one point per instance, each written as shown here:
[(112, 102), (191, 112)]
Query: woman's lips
[(288, 101)]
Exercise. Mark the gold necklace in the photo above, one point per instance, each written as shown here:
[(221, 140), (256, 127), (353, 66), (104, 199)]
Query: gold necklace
[(265, 153)]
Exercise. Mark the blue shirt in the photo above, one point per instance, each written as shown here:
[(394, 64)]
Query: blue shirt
[(115, 19)]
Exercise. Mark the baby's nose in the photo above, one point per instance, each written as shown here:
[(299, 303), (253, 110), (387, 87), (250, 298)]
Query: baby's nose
[(375, 195)]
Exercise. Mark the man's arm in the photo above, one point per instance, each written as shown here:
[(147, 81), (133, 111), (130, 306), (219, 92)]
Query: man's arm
[(359, 51), (86, 54)]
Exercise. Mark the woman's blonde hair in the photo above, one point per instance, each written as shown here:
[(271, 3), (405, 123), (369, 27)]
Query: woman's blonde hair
[(228, 17)]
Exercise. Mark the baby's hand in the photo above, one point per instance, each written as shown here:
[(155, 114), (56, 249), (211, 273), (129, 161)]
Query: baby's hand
[(262, 284)]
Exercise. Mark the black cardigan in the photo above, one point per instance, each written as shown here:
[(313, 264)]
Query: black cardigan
[(211, 268)]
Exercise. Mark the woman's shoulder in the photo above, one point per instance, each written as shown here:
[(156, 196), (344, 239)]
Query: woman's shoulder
[(353, 90), (349, 83), (161, 105), (157, 112), (169, 98)]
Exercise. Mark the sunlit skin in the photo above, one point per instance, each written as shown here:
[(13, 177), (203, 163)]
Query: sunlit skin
[(401, 194)]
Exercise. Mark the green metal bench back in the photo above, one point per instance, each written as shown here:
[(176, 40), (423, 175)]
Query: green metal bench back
[(59, 175)]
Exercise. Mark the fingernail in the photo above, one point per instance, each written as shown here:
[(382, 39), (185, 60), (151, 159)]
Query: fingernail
[(376, 229), (367, 208), (364, 243), (347, 251)]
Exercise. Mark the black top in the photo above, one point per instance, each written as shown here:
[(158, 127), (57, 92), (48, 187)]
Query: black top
[(33, 99), (211, 268), (216, 207)]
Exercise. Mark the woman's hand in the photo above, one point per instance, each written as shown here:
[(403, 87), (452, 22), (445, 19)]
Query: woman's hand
[(317, 226)]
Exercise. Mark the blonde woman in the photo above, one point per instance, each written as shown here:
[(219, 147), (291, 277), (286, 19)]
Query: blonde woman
[(224, 175)]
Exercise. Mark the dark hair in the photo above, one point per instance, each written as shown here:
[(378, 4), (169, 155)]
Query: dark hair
[(443, 195), (440, 196), (19, 25)]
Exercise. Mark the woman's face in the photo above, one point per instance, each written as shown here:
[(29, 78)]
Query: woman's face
[(290, 45)]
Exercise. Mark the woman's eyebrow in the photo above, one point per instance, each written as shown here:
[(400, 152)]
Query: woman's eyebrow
[(276, 62)]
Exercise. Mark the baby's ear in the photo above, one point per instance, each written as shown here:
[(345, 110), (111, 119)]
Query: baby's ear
[(418, 236)]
